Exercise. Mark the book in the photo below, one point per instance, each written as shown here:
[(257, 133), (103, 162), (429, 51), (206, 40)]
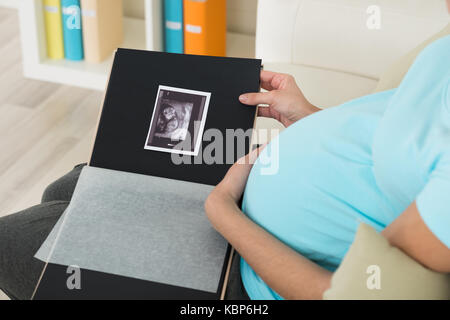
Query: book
[(205, 27), (102, 28), (53, 29), (136, 219), (73, 38), (173, 23)]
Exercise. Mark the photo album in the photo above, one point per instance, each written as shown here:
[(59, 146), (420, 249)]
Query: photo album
[(136, 227)]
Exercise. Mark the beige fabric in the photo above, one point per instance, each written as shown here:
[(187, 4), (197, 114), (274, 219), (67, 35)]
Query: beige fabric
[(395, 74), (400, 277), (339, 35)]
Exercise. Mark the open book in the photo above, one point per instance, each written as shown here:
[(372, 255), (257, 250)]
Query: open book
[(170, 128)]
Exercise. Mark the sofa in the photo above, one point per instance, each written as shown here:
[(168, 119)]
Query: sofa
[(335, 49)]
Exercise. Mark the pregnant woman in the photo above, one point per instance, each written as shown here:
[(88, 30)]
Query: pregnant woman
[(383, 159)]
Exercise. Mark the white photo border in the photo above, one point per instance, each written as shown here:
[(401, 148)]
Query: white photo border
[(198, 143)]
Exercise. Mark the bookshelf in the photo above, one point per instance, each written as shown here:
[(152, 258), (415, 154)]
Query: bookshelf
[(139, 34)]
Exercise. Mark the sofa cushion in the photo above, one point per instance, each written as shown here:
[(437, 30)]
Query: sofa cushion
[(394, 75), (338, 35), (373, 269)]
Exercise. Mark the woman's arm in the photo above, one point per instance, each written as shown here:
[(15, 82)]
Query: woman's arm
[(284, 99), (410, 234), (284, 270)]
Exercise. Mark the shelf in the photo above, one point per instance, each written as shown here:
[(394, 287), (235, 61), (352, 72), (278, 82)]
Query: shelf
[(139, 34), (82, 73)]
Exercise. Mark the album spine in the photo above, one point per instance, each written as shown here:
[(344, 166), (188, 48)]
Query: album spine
[(205, 27), (173, 26), (102, 22), (73, 39), (53, 29)]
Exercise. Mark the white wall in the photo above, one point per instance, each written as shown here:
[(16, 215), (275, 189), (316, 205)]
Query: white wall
[(9, 3)]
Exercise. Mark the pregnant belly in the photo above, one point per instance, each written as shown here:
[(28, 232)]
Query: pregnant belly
[(323, 186)]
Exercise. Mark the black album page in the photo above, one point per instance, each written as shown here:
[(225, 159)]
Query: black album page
[(160, 107)]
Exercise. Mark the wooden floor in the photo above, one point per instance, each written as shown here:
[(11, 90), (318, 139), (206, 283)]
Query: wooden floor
[(45, 129)]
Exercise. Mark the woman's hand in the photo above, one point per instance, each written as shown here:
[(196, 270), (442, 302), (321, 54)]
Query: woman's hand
[(287, 104), (229, 191)]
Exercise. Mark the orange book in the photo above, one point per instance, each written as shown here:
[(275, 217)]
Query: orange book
[(205, 27)]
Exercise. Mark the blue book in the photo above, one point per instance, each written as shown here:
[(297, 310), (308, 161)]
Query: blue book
[(173, 21), (73, 37)]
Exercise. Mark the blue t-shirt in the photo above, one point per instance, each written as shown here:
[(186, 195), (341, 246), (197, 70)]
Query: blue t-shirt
[(364, 161)]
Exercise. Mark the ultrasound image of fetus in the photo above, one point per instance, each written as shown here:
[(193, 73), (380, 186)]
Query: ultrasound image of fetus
[(167, 121), (177, 121), (173, 120)]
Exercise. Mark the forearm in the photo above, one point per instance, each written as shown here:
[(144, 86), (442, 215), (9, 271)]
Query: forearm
[(410, 234), (283, 269)]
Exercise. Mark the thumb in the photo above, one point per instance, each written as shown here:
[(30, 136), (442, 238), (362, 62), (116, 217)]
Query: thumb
[(253, 99)]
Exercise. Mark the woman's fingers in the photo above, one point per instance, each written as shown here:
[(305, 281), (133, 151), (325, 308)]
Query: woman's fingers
[(266, 80), (276, 81), (265, 112), (253, 99), (269, 81)]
